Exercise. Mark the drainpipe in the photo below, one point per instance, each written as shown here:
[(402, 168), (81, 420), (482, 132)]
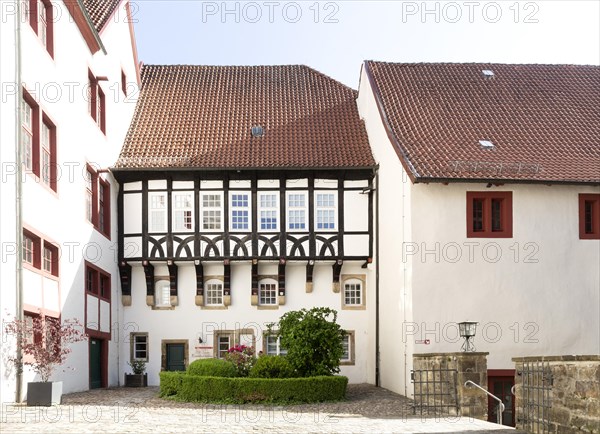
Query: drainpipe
[(18, 197), (377, 355), (405, 270)]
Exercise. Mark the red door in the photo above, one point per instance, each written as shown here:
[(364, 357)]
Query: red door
[(500, 383)]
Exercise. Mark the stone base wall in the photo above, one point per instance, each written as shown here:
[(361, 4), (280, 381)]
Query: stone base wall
[(574, 383), (472, 402)]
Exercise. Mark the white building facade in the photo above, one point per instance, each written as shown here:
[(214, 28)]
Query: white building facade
[(67, 108), (506, 235)]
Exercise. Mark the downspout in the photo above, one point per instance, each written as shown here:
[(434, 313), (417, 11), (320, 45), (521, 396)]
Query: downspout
[(18, 198), (405, 270), (377, 355)]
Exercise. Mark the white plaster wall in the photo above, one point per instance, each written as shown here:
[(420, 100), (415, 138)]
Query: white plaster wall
[(537, 293), (8, 231), (395, 279), (188, 321), (541, 297), (59, 86)]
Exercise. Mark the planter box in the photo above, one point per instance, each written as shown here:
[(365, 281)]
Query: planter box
[(44, 393), (136, 380)]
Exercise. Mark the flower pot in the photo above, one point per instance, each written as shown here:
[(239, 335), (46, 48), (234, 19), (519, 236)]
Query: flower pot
[(44, 393), (136, 380)]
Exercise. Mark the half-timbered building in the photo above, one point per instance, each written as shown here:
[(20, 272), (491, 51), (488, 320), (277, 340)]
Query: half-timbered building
[(245, 192)]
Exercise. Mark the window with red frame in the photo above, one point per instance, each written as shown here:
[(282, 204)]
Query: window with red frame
[(97, 197), (96, 102), (589, 216), (489, 214), (30, 326), (31, 249), (40, 254), (104, 207), (38, 140), (50, 258), (97, 282), (40, 15)]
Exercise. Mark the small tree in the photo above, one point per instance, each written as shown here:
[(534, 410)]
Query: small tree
[(44, 343), (313, 340)]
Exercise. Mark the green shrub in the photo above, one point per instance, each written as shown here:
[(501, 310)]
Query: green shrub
[(272, 367), (170, 383), (193, 388), (313, 341), (212, 368)]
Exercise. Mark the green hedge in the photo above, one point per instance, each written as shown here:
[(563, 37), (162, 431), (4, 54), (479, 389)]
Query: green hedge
[(272, 367), (212, 368), (194, 388)]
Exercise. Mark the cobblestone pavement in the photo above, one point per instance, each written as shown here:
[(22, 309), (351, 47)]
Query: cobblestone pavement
[(131, 410)]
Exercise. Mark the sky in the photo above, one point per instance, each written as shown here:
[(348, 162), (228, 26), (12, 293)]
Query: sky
[(335, 37)]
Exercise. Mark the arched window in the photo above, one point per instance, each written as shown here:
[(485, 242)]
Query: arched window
[(267, 292), (162, 293)]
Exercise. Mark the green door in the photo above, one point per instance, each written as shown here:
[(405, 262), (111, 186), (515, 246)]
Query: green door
[(95, 363), (175, 357)]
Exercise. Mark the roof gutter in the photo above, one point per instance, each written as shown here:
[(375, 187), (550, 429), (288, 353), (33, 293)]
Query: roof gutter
[(238, 169), (86, 26), (423, 180)]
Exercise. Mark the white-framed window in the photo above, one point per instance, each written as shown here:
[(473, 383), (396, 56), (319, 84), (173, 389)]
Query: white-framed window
[(353, 292), (162, 294), (267, 292), (43, 23), (47, 259), (268, 211), (272, 346), (89, 195), (224, 342), (211, 205), (346, 346), (46, 153), (27, 135), (213, 291), (183, 211), (28, 249), (297, 205), (348, 357), (157, 219), (139, 346), (239, 210), (325, 211)]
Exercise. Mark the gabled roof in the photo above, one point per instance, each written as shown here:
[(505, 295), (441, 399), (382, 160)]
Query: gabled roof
[(202, 117), (543, 120), (100, 11)]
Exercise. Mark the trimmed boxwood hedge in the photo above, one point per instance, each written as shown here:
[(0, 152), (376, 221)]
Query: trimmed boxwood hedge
[(194, 388), (212, 368)]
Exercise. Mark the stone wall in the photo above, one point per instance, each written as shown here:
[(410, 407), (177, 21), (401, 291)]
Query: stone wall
[(467, 366), (573, 398)]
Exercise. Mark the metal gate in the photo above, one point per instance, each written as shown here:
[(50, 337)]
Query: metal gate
[(534, 409), (435, 391)]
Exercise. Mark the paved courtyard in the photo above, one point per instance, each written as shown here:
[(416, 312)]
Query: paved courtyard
[(129, 410)]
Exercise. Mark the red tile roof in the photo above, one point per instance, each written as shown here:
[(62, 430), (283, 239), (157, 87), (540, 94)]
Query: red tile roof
[(202, 116), (544, 120), (100, 11)]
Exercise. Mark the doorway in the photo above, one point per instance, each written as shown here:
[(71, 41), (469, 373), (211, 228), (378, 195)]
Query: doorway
[(500, 383), (95, 364), (174, 355)]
